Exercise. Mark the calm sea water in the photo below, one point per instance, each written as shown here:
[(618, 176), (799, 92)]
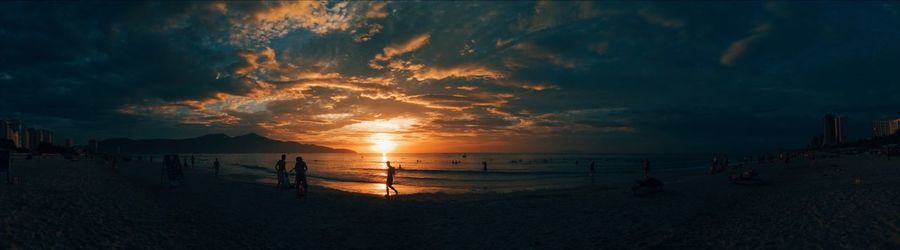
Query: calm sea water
[(428, 173)]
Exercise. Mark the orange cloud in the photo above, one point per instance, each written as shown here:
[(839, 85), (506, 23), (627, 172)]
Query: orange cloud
[(252, 61), (283, 17), (739, 47), (376, 10), (543, 54), (398, 49), (655, 18), (464, 71)]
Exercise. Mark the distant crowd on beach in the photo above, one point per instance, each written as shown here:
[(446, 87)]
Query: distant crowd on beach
[(172, 171)]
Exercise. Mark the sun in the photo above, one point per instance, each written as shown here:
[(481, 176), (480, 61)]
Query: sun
[(382, 143)]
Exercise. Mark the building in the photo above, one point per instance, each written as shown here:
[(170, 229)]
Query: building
[(34, 139), (46, 136), (828, 131), (840, 129), (885, 127), (881, 128), (835, 130), (12, 130), (894, 126), (23, 137)]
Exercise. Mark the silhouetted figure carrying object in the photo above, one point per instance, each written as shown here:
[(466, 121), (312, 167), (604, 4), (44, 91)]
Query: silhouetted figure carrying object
[(646, 168), (648, 184), (389, 184), (6, 166), (216, 167), (484, 165), (172, 170), (300, 176), (279, 172)]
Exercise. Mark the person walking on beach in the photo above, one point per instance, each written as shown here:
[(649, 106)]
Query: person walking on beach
[(484, 165), (646, 169), (714, 165), (300, 176), (279, 171), (216, 167), (389, 184)]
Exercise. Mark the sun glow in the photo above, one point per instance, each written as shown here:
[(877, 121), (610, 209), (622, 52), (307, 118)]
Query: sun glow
[(382, 143)]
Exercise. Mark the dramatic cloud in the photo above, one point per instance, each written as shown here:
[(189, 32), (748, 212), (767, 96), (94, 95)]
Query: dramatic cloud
[(445, 76), (398, 49), (740, 46)]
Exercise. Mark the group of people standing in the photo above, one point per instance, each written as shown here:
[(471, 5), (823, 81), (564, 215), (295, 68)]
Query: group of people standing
[(282, 174), (300, 183)]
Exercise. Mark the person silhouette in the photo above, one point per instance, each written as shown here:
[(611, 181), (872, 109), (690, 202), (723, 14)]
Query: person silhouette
[(646, 169), (216, 167), (592, 167), (484, 166), (389, 183), (300, 169), (279, 171)]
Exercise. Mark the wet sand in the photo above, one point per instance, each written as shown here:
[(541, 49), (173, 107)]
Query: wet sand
[(850, 202)]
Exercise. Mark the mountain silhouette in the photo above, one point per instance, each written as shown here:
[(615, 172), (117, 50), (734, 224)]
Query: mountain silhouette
[(213, 144)]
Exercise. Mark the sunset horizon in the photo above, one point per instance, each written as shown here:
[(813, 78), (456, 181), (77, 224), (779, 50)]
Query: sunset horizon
[(534, 124)]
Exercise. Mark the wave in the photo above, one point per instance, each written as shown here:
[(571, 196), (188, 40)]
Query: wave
[(489, 172), (254, 167)]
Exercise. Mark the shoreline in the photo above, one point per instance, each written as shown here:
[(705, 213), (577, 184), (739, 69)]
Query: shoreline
[(85, 204)]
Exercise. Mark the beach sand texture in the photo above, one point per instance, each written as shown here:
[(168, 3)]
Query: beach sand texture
[(848, 202)]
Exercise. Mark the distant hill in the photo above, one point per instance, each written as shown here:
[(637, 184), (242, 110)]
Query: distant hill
[(213, 144)]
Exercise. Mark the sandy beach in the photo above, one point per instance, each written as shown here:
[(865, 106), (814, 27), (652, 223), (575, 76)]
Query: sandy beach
[(849, 202)]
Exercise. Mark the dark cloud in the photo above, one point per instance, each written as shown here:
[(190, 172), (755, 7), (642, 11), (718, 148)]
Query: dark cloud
[(536, 76)]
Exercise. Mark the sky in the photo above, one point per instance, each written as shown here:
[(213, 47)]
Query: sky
[(441, 76)]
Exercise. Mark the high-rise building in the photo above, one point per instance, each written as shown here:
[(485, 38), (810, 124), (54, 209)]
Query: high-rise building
[(27, 138), (828, 135), (23, 137), (17, 132), (840, 129), (881, 128), (46, 136), (885, 127), (894, 126), (34, 139)]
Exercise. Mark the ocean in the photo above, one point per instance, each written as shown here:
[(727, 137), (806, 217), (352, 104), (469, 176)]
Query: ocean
[(432, 173)]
